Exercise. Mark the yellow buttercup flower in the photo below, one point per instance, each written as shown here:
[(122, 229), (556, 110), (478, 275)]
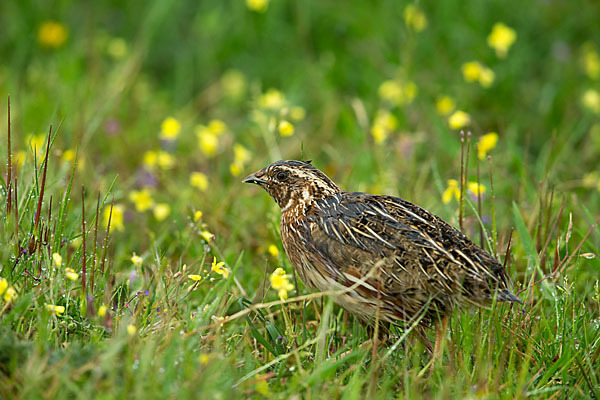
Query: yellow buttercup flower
[(501, 39), (273, 99), (142, 199), (591, 100), (71, 274), (19, 158), (459, 119), (280, 282), (165, 160), (199, 180), (161, 211), (208, 142), (486, 143), (204, 358), (217, 127), (476, 188), (10, 295), (137, 260), (475, 71), (235, 169), (259, 6), (58, 310), (102, 310), (195, 277), (445, 105), (57, 259), (451, 191), (414, 18), (36, 143), (590, 60), (219, 268), (385, 123), (197, 215), (52, 34), (285, 128), (116, 220), (131, 330), (206, 235), (68, 155), (297, 113), (396, 92), (273, 250), (240, 153), (3, 285), (169, 129)]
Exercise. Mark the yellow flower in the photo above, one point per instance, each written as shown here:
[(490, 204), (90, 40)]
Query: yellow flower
[(116, 221), (195, 277), (235, 169), (52, 34), (203, 358), (280, 282), (71, 274), (486, 77), (415, 18), (385, 122), (58, 310), (68, 155), (10, 295), (591, 100), (486, 143), (197, 215), (199, 180), (273, 250), (57, 259), (217, 127), (259, 6), (476, 188), (501, 38), (459, 119), (475, 71), (131, 329), (161, 211), (392, 91), (273, 99), (262, 387), (117, 48), (445, 105), (451, 191), (285, 128), (165, 160), (137, 260), (19, 158), (169, 129), (297, 113), (142, 199), (219, 268), (240, 153), (102, 310), (234, 84), (3, 285), (208, 142), (36, 142), (150, 158), (591, 61), (206, 235)]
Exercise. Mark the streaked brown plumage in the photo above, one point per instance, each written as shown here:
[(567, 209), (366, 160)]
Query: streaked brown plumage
[(397, 256)]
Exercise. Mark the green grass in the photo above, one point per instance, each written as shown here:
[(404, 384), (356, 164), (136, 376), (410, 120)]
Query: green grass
[(125, 67)]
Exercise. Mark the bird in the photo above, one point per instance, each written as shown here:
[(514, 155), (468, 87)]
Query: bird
[(384, 256)]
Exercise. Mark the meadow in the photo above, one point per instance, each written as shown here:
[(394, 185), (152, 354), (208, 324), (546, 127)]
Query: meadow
[(134, 263)]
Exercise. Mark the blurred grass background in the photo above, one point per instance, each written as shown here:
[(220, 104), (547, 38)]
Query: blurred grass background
[(168, 105)]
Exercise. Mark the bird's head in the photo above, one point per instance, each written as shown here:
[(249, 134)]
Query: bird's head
[(290, 182)]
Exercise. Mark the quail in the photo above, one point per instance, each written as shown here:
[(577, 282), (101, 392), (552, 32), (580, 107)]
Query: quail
[(382, 253)]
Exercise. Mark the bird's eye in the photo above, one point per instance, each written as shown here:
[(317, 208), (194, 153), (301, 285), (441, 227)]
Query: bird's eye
[(281, 175)]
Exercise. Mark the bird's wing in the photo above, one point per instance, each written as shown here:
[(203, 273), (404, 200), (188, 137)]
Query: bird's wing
[(358, 231)]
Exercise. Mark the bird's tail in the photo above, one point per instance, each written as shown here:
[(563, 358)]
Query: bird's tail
[(507, 295)]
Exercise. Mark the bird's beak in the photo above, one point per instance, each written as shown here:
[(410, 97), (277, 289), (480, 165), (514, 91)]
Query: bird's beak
[(254, 178)]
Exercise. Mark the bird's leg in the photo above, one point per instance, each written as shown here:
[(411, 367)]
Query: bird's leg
[(438, 348)]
